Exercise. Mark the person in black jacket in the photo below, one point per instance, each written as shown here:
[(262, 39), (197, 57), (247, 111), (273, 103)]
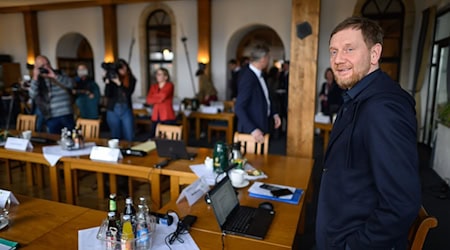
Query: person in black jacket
[(118, 90), (370, 190)]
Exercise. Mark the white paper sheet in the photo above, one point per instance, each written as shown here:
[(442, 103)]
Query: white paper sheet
[(53, 153)]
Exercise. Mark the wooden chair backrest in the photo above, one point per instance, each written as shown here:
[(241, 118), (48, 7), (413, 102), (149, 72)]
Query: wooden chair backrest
[(419, 229), (26, 122), (172, 132), (249, 144), (90, 128), (228, 106)]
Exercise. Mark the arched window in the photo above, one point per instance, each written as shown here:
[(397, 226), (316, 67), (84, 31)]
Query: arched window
[(390, 14), (159, 43)]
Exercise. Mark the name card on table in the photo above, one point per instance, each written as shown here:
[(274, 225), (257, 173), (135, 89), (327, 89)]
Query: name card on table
[(6, 196), (18, 144), (194, 191), (105, 154)]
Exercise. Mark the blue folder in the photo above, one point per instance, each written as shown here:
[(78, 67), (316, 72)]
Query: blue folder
[(294, 200)]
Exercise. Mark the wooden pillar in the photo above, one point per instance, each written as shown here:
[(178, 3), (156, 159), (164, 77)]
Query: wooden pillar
[(31, 35), (110, 32), (302, 80), (204, 33)]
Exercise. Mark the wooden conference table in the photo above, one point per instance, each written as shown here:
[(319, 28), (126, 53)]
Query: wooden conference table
[(198, 116), (34, 156), (289, 218), (43, 224)]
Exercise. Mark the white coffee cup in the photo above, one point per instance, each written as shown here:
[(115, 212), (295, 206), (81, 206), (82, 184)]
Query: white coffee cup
[(26, 134), (209, 163), (113, 143), (237, 177)]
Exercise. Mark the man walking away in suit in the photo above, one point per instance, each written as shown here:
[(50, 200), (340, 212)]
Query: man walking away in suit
[(254, 108), (370, 190)]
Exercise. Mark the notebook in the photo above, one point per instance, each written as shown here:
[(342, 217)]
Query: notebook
[(173, 149), (236, 219)]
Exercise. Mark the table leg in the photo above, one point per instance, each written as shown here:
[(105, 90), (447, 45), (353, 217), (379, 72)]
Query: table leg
[(185, 129), (68, 183), (197, 128), (174, 186), (155, 183), (29, 171), (100, 186), (230, 131), (39, 175), (112, 184), (326, 136), (54, 182)]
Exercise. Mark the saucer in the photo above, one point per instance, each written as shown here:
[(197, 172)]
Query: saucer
[(243, 184)]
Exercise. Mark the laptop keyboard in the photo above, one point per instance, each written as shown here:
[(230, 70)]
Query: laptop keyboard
[(241, 219)]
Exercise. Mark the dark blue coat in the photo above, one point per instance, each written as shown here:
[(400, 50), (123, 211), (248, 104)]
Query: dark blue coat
[(370, 190), (251, 104)]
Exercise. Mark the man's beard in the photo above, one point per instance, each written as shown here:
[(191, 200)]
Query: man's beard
[(349, 82)]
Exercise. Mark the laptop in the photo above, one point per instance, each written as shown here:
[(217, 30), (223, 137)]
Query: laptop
[(173, 149), (236, 219)]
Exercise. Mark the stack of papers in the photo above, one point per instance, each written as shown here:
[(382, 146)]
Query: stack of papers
[(257, 192)]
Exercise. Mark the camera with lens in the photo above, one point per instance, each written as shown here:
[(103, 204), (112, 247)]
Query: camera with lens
[(111, 69), (43, 71)]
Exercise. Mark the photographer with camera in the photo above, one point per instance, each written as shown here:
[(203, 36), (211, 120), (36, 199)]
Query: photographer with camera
[(51, 92), (87, 94), (120, 83)]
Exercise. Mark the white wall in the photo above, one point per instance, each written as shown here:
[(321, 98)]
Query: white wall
[(229, 16), (331, 13), (53, 25), (12, 42)]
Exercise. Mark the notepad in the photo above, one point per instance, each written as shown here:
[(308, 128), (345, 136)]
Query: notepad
[(146, 146), (7, 244), (257, 192)]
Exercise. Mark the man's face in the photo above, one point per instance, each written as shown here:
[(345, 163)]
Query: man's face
[(350, 59), (265, 61), (42, 62)]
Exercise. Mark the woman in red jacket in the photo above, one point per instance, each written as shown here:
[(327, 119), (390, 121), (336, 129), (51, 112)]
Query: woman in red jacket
[(160, 96)]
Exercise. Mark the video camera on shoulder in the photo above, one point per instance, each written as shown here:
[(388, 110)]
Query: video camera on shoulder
[(111, 69)]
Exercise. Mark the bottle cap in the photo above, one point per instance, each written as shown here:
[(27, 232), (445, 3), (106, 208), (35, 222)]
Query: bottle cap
[(111, 214), (128, 200)]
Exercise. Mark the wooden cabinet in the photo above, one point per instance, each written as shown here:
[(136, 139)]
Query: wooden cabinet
[(9, 74)]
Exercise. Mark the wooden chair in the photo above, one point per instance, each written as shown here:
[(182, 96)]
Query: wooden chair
[(419, 229), (228, 106), (23, 122), (26, 122), (173, 132), (249, 144), (90, 129)]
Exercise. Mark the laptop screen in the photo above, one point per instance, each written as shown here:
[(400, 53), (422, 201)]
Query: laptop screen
[(223, 199)]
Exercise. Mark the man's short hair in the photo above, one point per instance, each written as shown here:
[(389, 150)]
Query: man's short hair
[(372, 32), (258, 52)]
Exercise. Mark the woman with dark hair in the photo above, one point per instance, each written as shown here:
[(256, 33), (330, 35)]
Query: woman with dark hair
[(330, 95), (160, 96), (118, 90)]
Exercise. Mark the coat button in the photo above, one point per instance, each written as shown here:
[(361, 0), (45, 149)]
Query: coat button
[(325, 170)]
